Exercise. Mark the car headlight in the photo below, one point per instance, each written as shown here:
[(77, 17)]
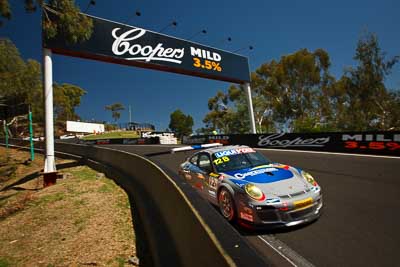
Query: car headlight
[(254, 192), (309, 178)]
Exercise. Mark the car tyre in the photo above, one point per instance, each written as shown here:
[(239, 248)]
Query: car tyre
[(226, 205)]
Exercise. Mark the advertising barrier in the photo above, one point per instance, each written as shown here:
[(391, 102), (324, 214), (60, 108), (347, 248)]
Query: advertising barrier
[(379, 143), (122, 141)]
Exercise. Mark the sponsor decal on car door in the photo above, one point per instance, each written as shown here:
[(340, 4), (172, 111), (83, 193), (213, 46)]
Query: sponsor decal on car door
[(212, 184)]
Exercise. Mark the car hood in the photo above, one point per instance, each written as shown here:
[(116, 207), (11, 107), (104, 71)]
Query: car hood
[(276, 179)]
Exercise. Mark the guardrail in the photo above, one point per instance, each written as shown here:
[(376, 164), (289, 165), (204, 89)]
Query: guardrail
[(378, 143), (172, 230)]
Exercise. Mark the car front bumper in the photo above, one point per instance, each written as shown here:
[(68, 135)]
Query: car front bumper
[(270, 216)]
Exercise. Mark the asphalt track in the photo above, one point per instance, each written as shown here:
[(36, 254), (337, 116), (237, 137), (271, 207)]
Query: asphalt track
[(360, 225)]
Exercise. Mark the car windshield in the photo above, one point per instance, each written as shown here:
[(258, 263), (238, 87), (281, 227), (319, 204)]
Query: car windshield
[(225, 163)]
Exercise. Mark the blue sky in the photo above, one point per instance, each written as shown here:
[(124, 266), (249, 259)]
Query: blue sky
[(274, 28)]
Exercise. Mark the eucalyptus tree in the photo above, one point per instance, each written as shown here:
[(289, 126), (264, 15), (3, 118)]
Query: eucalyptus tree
[(180, 123), (370, 105), (115, 110), (59, 16)]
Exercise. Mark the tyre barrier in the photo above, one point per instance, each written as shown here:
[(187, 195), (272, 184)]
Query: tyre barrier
[(170, 230)]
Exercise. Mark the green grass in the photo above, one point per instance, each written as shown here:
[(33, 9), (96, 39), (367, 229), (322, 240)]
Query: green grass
[(49, 199), (124, 204), (108, 186), (4, 262), (80, 224), (105, 189), (112, 135), (84, 173), (120, 261), (79, 202)]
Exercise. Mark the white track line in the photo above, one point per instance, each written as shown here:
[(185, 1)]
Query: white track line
[(290, 150), (285, 251), (277, 250), (327, 153)]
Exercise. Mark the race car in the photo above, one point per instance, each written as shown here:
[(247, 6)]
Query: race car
[(250, 189)]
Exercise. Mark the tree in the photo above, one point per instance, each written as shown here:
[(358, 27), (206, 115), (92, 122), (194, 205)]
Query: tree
[(297, 87), (391, 118), (297, 93), (20, 81), (115, 110), (217, 118), (290, 94), (60, 17), (368, 103), (228, 112), (66, 98), (21, 86), (180, 123)]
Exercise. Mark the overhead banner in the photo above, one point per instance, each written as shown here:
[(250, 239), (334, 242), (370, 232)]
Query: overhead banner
[(381, 143), (123, 44)]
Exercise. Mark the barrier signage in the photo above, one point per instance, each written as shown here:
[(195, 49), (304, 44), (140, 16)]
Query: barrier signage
[(128, 45), (384, 143), (124, 141)]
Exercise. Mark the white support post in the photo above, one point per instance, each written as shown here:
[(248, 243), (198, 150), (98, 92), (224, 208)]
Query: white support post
[(49, 165), (130, 114), (250, 105)]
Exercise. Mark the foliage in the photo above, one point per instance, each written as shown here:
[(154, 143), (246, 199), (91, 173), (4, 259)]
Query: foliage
[(297, 93), (60, 17), (296, 87), (67, 97), (370, 105), (115, 110), (21, 83), (5, 10), (110, 127), (180, 123), (68, 21), (225, 118)]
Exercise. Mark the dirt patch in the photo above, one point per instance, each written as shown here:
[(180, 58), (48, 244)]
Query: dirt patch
[(81, 221)]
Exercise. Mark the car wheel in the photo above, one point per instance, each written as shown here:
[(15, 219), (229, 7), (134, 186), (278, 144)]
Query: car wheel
[(226, 205)]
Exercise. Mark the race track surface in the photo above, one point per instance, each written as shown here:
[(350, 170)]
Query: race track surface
[(360, 222)]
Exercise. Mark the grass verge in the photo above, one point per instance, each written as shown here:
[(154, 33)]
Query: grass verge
[(112, 135), (83, 220)]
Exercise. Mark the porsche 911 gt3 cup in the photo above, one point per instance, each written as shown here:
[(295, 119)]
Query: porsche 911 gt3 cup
[(249, 188)]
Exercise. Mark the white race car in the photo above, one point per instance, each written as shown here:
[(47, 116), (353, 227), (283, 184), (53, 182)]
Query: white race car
[(249, 188)]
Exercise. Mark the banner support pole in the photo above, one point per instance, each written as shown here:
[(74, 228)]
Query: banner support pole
[(250, 106), (49, 165)]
